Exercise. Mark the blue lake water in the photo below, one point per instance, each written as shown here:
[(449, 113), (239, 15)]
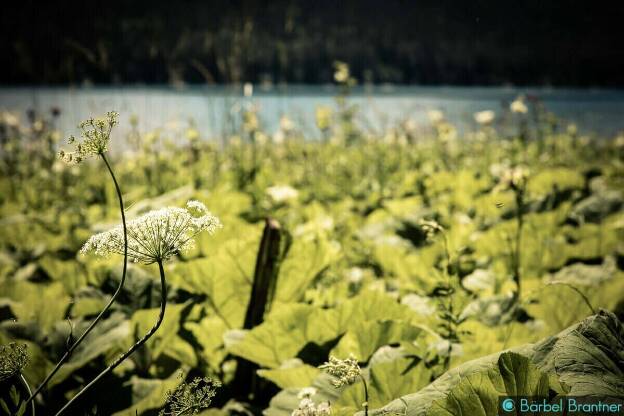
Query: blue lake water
[(216, 110)]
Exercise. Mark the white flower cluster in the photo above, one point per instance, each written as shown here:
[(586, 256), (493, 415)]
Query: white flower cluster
[(280, 194), (484, 117), (307, 407), (514, 178), (518, 106), (95, 135), (345, 371), (156, 236)]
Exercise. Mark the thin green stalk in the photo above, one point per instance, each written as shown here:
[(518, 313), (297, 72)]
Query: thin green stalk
[(578, 291), (518, 242), (25, 383), (110, 303), (132, 349), (365, 395)]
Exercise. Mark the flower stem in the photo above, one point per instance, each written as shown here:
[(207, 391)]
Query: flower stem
[(518, 242), (133, 348), (25, 383), (69, 351), (365, 395)]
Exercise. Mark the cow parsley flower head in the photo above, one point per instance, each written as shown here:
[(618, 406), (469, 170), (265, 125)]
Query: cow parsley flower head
[(190, 398), (156, 236), (345, 371), (308, 408), (94, 137)]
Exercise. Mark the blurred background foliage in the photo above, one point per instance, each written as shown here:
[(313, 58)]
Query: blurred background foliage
[(483, 42)]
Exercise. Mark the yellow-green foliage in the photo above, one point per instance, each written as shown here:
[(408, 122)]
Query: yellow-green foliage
[(358, 278)]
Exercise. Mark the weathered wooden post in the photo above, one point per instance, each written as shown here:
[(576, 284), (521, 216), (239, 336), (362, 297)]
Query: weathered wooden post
[(245, 383)]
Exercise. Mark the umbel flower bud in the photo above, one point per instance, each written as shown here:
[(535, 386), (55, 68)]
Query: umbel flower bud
[(94, 135), (345, 371), (13, 358)]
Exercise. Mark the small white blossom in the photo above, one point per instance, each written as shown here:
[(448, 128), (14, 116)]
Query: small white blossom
[(341, 73), (156, 236), (306, 393), (518, 106), (197, 206), (355, 275), (248, 89), (514, 178), (286, 124), (282, 193), (430, 227), (484, 117), (435, 116), (308, 408), (345, 371)]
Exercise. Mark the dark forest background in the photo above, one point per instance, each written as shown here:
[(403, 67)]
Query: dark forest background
[(482, 42)]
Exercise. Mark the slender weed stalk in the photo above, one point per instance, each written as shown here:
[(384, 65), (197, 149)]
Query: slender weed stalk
[(516, 180), (450, 319), (96, 136)]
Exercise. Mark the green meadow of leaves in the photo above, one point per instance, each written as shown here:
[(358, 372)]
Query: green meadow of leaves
[(358, 277)]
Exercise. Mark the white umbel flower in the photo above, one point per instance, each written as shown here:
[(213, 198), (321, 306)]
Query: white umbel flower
[(308, 408), (345, 371), (156, 236)]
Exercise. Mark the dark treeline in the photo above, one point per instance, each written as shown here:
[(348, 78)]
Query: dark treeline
[(485, 42)]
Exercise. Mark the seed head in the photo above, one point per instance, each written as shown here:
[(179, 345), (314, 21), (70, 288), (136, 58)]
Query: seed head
[(94, 138), (156, 236), (190, 398), (13, 357)]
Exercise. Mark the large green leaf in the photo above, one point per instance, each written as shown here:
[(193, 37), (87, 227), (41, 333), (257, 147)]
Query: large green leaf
[(166, 340), (306, 259), (478, 394), (293, 374), (289, 327), (224, 278), (108, 336), (368, 336), (587, 359), (149, 394), (32, 301)]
